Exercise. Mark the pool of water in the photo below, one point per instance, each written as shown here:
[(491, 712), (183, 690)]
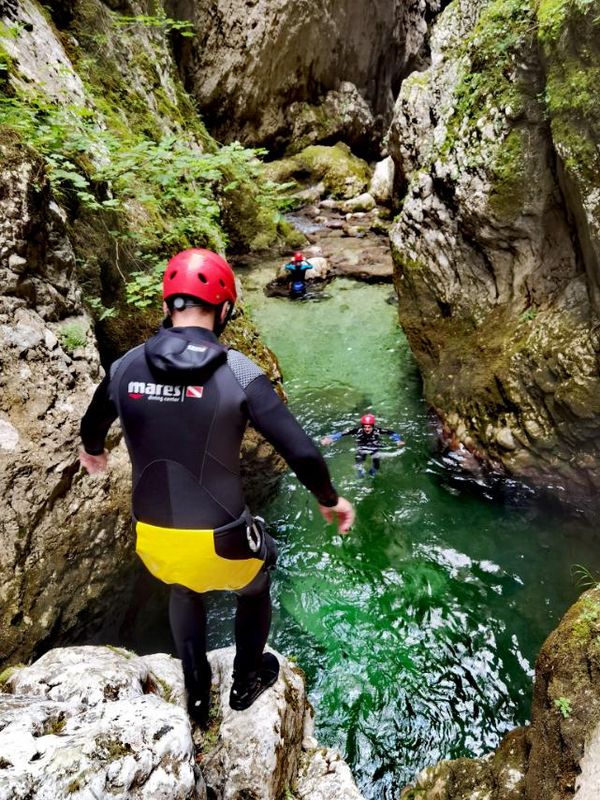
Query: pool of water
[(418, 632)]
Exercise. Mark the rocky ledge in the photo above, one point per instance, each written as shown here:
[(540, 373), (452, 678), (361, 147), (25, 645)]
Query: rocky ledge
[(92, 722)]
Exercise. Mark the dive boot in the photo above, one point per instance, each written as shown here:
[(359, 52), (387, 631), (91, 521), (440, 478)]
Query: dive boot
[(244, 691)]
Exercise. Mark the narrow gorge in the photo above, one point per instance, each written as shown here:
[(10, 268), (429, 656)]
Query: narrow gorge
[(438, 165)]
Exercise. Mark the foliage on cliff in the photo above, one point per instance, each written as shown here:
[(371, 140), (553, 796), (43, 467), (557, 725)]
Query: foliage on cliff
[(126, 153)]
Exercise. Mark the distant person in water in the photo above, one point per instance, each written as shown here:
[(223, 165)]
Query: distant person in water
[(367, 436), (297, 268)]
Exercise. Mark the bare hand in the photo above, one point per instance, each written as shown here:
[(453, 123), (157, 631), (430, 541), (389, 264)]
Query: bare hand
[(326, 440), (93, 464), (343, 511)]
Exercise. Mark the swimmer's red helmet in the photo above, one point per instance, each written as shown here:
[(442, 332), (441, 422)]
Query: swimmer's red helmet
[(368, 419)]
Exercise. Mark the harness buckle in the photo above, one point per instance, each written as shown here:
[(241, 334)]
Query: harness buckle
[(254, 534)]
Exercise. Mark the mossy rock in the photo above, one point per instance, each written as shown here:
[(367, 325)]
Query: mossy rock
[(344, 174), (566, 701)]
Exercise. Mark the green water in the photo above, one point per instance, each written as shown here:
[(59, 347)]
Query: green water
[(419, 631)]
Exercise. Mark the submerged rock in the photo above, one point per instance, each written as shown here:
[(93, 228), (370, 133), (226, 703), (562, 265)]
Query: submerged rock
[(98, 722)]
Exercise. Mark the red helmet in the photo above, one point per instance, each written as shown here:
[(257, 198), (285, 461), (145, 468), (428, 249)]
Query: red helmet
[(202, 274), (368, 419), (298, 257)]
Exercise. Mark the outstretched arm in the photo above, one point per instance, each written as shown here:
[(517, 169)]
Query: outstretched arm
[(394, 436), (271, 417), (334, 437), (100, 415)]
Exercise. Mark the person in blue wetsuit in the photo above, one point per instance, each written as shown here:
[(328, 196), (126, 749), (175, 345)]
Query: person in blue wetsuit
[(368, 436), (184, 400), (297, 268)]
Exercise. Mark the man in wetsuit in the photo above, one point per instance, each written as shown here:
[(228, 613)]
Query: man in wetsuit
[(184, 400), (367, 440), (297, 268)]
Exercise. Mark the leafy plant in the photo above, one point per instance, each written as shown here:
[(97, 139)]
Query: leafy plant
[(564, 706), (101, 312), (143, 288), (161, 21), (164, 191), (584, 577), (72, 336), (529, 314)]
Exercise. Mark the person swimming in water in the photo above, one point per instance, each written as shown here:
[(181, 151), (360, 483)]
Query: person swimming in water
[(368, 437), (298, 267)]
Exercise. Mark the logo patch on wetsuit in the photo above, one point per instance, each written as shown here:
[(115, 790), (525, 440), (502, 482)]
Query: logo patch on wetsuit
[(163, 392)]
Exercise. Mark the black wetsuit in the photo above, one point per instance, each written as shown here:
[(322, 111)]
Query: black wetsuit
[(368, 443), (184, 401)]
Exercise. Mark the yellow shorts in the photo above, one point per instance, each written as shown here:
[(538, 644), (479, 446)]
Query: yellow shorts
[(188, 557)]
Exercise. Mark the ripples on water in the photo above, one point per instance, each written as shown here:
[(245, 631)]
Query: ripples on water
[(418, 631)]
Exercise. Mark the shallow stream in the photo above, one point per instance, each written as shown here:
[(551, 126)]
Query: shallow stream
[(419, 631)]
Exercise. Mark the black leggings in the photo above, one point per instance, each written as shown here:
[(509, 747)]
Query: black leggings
[(187, 615), (361, 457)]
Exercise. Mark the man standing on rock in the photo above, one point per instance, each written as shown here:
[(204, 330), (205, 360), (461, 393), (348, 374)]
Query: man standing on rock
[(184, 400)]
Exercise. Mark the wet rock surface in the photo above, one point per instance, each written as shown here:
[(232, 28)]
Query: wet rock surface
[(493, 292)]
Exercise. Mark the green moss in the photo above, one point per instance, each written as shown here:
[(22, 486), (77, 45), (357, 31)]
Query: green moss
[(166, 691), (284, 170), (490, 56), (587, 621), (408, 265), (8, 672), (509, 182), (6, 67), (553, 14), (111, 749), (72, 336), (291, 236), (55, 725), (568, 32), (121, 651), (334, 166)]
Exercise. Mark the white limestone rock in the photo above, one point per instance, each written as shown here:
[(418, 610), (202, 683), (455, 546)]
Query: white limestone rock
[(258, 750), (90, 722), (250, 62), (382, 182), (362, 202), (100, 722), (325, 776)]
